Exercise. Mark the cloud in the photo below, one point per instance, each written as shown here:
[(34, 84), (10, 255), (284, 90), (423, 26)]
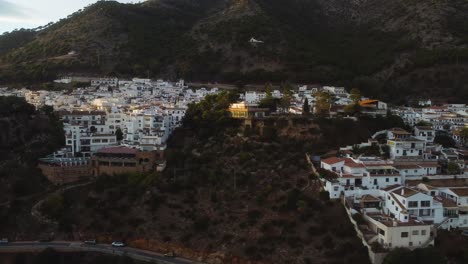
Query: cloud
[(10, 9)]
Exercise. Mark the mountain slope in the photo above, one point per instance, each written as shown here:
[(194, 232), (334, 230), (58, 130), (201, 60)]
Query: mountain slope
[(383, 47)]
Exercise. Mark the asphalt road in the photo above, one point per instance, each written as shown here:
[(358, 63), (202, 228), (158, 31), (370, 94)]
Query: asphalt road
[(134, 253)]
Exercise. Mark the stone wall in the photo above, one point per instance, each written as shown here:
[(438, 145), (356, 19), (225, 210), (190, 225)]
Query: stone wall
[(66, 174)]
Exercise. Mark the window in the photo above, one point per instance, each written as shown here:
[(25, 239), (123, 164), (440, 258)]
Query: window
[(415, 233), (395, 179), (413, 204), (425, 203), (382, 232), (387, 179), (404, 234), (424, 212), (423, 232)]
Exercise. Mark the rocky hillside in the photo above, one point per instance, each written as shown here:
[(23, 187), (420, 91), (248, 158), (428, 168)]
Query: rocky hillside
[(385, 47)]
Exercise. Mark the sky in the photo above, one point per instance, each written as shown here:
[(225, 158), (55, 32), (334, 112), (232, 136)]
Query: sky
[(16, 14)]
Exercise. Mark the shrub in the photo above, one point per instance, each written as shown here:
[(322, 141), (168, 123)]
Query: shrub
[(250, 251), (324, 195), (328, 242), (316, 230), (201, 224), (359, 219)]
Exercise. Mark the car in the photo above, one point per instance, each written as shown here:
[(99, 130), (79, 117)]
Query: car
[(465, 232), (118, 244), (90, 242), (170, 255), (4, 241)]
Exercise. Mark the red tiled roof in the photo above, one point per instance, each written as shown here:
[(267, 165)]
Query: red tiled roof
[(391, 187), (355, 165), (460, 191), (407, 192), (445, 201), (118, 150), (332, 160), (407, 166)]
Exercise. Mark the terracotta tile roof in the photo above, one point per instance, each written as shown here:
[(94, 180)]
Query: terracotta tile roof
[(391, 187), (332, 160), (445, 201), (370, 198), (460, 191), (405, 192), (441, 182), (409, 166), (355, 165), (118, 150)]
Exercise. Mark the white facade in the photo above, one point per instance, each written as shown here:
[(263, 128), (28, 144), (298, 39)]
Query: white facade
[(406, 148)]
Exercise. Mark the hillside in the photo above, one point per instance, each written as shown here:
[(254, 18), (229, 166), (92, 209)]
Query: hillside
[(229, 194), (383, 47), (25, 136)]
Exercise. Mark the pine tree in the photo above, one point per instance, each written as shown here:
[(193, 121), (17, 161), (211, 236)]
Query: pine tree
[(119, 134), (306, 107)]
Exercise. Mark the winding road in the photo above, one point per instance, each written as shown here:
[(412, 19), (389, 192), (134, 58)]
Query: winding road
[(138, 254)]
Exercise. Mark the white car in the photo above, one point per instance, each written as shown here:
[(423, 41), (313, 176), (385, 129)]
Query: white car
[(118, 244)]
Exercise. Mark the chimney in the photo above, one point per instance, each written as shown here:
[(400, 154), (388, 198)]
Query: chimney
[(402, 191), (395, 223)]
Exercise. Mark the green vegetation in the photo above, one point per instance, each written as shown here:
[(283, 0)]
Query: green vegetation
[(25, 136), (406, 256), (453, 168), (119, 134), (11, 105), (303, 43), (210, 116), (306, 107), (14, 39), (445, 140)]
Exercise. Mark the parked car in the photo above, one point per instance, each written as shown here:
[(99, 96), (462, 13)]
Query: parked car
[(118, 244), (4, 241), (170, 255), (90, 242), (465, 232)]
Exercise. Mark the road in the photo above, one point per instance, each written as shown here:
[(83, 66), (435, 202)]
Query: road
[(138, 254)]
